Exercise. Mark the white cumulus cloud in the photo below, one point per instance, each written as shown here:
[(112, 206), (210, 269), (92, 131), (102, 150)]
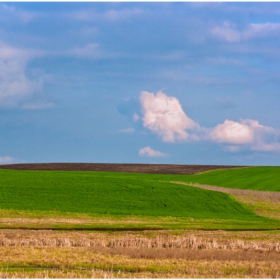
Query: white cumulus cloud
[(265, 138), (248, 132), (232, 132), (164, 116), (149, 152)]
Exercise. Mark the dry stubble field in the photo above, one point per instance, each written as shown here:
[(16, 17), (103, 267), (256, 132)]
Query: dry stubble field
[(185, 254), (143, 254)]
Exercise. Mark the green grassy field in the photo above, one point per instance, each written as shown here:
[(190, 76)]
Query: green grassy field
[(93, 192), (265, 178), (251, 178), (175, 225), (150, 196)]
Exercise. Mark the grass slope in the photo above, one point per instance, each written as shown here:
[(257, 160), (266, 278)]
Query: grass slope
[(112, 193), (253, 178)]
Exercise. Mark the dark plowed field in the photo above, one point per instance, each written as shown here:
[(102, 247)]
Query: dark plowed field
[(134, 168)]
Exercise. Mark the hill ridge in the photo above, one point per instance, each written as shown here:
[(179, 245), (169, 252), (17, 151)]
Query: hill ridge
[(120, 167)]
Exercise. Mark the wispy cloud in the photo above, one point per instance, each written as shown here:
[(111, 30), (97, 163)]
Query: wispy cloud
[(16, 88), (262, 30), (7, 160), (128, 130), (135, 117), (226, 103), (130, 108), (8, 12), (221, 60), (195, 78), (38, 105), (109, 15), (231, 33), (227, 32), (122, 14), (90, 51), (149, 152)]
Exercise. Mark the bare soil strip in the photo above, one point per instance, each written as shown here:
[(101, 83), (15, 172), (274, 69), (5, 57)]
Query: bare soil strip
[(120, 229), (110, 167), (264, 195), (86, 228)]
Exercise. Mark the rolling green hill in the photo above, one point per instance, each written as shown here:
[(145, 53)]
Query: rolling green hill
[(254, 178), (114, 194)]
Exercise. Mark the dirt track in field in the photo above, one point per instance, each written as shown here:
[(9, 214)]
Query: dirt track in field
[(133, 168)]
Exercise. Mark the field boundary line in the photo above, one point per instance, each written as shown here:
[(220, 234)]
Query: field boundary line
[(264, 195)]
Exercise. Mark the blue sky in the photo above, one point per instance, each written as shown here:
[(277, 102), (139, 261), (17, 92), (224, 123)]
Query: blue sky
[(184, 83)]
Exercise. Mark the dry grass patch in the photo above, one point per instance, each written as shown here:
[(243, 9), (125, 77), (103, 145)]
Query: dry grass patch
[(51, 219), (182, 240), (81, 262), (187, 254), (14, 217)]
